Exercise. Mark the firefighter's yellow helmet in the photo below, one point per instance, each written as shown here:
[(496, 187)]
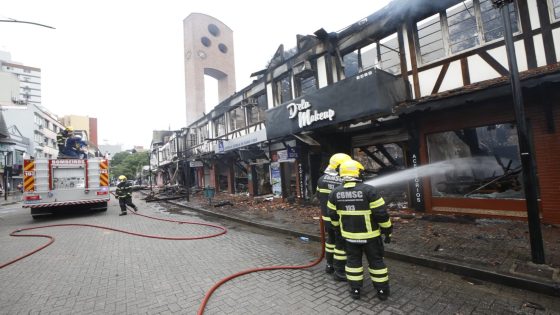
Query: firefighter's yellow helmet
[(338, 159), (351, 168), (69, 128), (122, 178)]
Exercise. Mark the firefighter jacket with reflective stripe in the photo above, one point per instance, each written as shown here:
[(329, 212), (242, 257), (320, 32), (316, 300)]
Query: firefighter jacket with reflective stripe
[(124, 190), (325, 185), (359, 210), (61, 138)]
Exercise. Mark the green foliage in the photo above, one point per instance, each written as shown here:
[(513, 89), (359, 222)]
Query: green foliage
[(126, 163)]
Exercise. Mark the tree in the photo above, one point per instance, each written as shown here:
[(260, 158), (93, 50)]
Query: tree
[(126, 163)]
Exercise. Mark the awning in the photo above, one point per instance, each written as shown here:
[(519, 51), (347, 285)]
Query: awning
[(307, 140)]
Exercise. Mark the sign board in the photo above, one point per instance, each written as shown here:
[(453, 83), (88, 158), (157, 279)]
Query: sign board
[(246, 140), (276, 179), (196, 164)]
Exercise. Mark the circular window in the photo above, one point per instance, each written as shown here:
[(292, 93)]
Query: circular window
[(222, 48), (206, 41), (214, 30)]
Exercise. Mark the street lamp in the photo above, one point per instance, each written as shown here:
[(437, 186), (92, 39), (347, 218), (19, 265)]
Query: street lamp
[(527, 161)]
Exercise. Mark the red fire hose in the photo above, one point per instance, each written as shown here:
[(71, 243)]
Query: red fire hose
[(244, 272), (15, 234)]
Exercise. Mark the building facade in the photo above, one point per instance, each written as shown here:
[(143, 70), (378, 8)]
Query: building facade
[(419, 89), (29, 79)]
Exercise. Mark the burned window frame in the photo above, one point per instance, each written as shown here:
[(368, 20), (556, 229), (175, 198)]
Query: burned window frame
[(233, 119), (552, 5), (480, 27), (259, 108), (217, 122), (280, 85)]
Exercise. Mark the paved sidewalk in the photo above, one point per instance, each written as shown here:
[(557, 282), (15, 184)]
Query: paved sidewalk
[(487, 249)]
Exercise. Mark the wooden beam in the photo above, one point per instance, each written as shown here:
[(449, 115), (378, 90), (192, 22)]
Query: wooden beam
[(493, 63), (546, 29), (527, 36), (440, 78), (411, 33), (465, 71)]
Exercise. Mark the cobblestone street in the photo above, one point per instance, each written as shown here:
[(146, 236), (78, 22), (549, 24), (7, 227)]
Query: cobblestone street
[(96, 271)]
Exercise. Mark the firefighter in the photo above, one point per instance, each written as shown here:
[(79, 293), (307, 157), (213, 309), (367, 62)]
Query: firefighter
[(75, 147), (62, 136), (334, 244), (124, 194), (362, 217)]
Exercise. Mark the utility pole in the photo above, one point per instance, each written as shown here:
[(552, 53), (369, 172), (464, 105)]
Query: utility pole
[(530, 181)]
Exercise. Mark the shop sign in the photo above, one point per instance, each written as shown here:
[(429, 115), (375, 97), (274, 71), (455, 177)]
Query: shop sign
[(305, 115), (196, 164), (287, 155), (243, 141)]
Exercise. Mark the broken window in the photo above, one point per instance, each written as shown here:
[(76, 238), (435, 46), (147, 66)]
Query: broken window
[(220, 126), (359, 60), (255, 112), (237, 118), (477, 162), (389, 57), (283, 90), (430, 39), (463, 32), (203, 132), (492, 20), (555, 7)]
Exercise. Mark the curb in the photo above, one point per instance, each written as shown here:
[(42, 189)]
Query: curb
[(458, 269)]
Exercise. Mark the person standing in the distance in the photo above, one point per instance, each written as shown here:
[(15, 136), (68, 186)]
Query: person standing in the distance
[(124, 194), (62, 136), (334, 244), (363, 217)]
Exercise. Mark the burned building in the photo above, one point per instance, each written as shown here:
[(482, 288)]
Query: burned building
[(420, 87)]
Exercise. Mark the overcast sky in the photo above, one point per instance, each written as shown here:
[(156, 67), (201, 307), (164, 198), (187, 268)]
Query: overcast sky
[(121, 61)]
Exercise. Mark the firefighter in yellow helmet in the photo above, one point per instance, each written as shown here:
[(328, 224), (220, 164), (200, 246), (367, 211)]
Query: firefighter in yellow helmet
[(124, 194), (362, 216), (334, 244)]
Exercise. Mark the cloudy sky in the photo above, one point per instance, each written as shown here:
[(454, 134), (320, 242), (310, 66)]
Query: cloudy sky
[(121, 61)]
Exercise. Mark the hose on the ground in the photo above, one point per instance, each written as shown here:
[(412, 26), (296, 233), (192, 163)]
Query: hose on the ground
[(16, 234), (244, 272)]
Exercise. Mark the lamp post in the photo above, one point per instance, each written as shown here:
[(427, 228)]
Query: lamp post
[(530, 181)]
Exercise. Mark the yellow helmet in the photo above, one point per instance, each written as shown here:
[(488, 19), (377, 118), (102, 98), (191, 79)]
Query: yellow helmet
[(351, 168), (338, 159), (122, 178), (69, 128)]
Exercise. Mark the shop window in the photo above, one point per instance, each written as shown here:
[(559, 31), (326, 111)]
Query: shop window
[(388, 51), (237, 118), (241, 179), (255, 112), (430, 39), (492, 20), (463, 32), (220, 126), (478, 162), (262, 179)]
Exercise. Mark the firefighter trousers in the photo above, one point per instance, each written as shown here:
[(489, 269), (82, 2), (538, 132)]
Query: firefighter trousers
[(126, 201), (374, 251), (334, 249)]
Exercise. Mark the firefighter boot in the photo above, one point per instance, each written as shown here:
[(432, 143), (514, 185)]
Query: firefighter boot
[(329, 269), (355, 293), (135, 209), (383, 294), (123, 213), (337, 276)]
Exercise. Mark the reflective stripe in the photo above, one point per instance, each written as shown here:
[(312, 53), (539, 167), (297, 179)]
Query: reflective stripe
[(331, 206), (326, 218), (360, 236), (329, 250), (378, 271), (351, 269), (354, 212), (354, 278), (328, 245), (349, 184), (378, 203), (335, 223), (386, 224), (339, 257), (375, 279), (340, 252), (323, 190)]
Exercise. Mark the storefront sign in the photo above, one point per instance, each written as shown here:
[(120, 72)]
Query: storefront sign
[(196, 164), (287, 155), (243, 141), (305, 115), (372, 93)]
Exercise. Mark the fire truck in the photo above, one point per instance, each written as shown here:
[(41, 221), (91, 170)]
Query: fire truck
[(55, 184)]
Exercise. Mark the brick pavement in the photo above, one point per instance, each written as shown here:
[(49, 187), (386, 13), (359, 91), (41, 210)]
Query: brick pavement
[(92, 271)]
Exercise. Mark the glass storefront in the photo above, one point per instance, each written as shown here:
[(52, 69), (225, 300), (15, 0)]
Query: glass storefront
[(477, 162)]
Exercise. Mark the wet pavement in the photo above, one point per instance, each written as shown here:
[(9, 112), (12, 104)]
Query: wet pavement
[(493, 250)]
